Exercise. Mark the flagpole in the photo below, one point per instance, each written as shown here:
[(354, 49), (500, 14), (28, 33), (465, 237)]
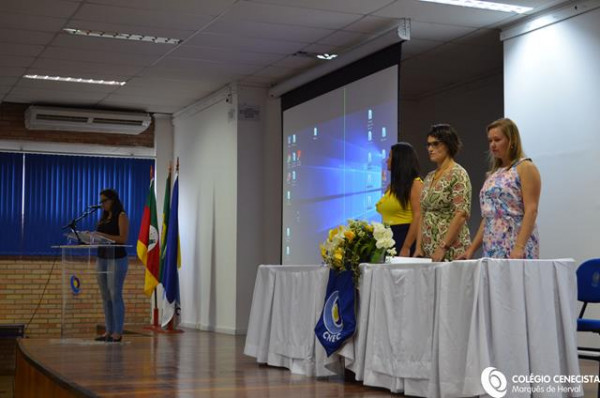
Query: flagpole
[(155, 310), (170, 328)]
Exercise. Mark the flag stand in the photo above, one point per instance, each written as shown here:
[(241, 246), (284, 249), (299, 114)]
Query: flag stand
[(155, 323)]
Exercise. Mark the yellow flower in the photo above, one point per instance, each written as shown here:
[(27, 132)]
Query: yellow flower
[(323, 252), (370, 228), (338, 255), (349, 235), (332, 233)]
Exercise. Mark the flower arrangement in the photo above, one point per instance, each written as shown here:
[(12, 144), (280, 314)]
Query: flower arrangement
[(358, 242)]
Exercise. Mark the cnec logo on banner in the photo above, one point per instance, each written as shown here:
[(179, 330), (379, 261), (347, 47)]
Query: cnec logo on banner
[(338, 318), (332, 319)]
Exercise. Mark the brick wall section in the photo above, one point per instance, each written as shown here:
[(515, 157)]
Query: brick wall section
[(12, 127), (22, 282)]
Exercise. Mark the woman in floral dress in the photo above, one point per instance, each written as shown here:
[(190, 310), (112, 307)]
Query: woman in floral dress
[(509, 198), (445, 200)]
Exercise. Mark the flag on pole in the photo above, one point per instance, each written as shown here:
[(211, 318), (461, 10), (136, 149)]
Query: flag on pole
[(165, 224), (148, 247), (172, 261)]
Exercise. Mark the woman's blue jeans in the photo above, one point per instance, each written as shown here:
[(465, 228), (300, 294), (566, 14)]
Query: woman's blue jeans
[(111, 277)]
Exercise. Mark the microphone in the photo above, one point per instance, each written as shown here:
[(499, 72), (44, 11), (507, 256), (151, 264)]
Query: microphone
[(94, 206)]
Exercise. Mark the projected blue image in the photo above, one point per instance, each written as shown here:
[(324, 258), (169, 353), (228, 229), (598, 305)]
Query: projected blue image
[(335, 168)]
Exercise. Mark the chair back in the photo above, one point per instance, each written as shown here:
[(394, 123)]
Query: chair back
[(588, 281)]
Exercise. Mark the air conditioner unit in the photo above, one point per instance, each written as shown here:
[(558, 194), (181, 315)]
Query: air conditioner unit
[(85, 120)]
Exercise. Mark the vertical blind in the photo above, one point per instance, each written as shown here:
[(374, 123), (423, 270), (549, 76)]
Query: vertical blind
[(11, 184), (57, 188)]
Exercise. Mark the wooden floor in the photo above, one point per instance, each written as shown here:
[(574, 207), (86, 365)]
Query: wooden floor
[(192, 364)]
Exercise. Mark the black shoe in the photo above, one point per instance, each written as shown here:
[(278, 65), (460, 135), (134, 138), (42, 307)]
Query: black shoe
[(111, 339), (102, 338)]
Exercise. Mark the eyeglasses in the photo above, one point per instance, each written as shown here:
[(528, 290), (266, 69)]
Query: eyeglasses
[(439, 126), (432, 144)]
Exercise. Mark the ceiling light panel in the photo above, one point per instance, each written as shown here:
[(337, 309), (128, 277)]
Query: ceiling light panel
[(484, 5), (122, 36), (75, 80)]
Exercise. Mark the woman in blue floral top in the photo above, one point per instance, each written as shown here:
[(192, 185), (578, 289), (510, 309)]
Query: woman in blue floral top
[(509, 198)]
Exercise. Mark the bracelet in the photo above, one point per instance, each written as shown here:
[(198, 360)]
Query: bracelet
[(520, 245), (445, 246)]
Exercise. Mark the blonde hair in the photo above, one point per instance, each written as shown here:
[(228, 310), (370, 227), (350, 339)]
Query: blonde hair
[(515, 148)]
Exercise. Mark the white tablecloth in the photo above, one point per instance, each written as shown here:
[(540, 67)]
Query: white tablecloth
[(425, 329)]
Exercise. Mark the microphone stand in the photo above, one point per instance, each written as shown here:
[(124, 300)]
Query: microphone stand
[(73, 224)]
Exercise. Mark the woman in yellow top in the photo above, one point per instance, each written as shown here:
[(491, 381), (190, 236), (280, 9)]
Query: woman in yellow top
[(400, 205)]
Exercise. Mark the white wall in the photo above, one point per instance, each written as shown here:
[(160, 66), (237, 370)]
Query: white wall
[(163, 144), (230, 205), (206, 144), (250, 215), (552, 92), (469, 107)]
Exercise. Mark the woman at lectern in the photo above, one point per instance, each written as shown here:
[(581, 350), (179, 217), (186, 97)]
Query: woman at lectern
[(509, 198), (445, 200), (112, 264), (399, 207)]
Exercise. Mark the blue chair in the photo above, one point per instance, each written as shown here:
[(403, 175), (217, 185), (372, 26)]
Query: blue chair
[(588, 291)]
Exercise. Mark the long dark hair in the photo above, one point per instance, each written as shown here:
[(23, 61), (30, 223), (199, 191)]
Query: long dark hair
[(405, 168), (117, 206)]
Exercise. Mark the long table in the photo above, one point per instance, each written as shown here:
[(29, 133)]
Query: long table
[(426, 329)]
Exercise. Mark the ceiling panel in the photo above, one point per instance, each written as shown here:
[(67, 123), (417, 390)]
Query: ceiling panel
[(8, 81), (110, 45), (31, 22), (202, 66), (139, 17), (78, 54), (277, 73), (150, 100), (164, 95), (264, 30), (204, 7), (15, 61), (352, 6), (169, 84), (345, 39), (34, 95), (24, 36), (136, 106), (297, 62), (371, 24), (234, 43), (222, 55), (49, 8), (19, 50), (436, 31), (249, 11), (9, 72), (82, 69)]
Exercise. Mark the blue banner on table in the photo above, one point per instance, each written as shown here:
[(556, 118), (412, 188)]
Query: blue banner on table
[(338, 318)]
